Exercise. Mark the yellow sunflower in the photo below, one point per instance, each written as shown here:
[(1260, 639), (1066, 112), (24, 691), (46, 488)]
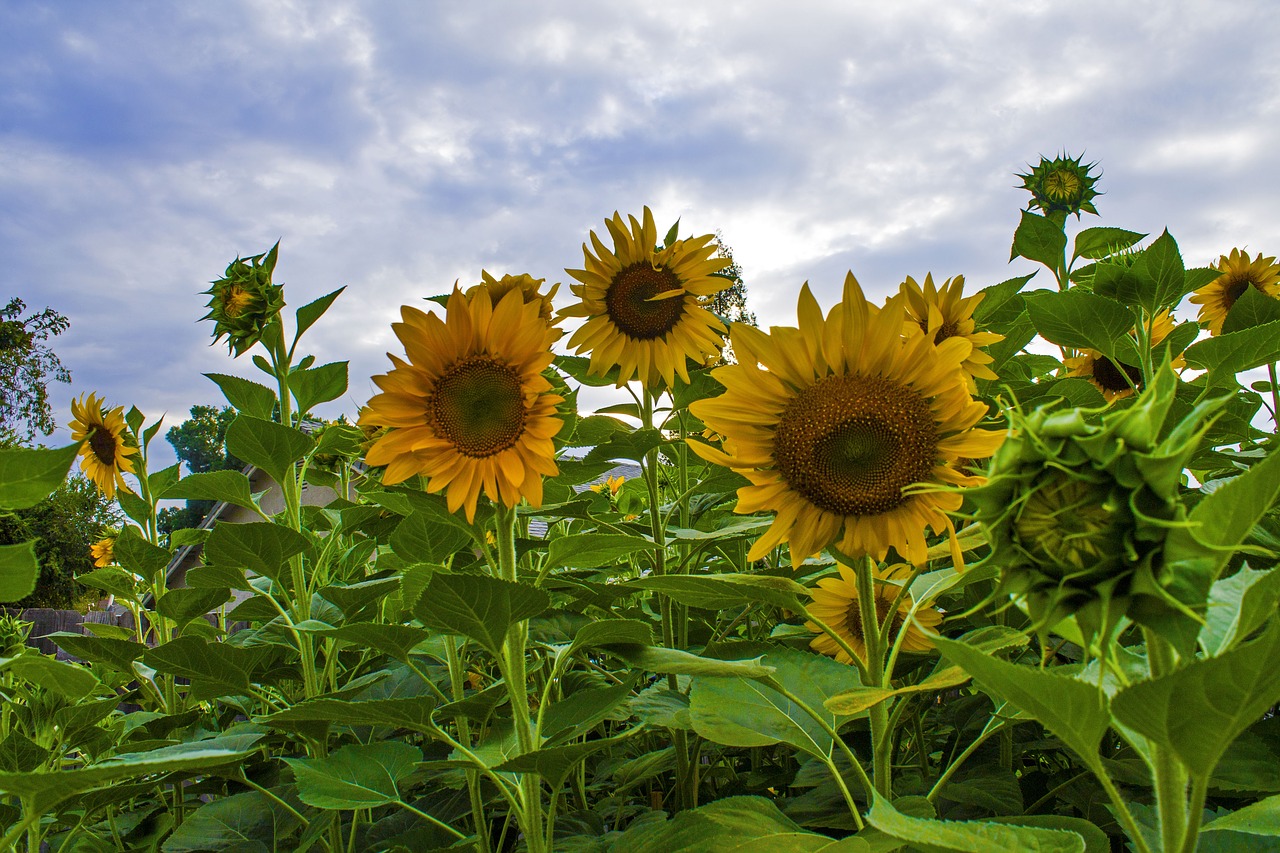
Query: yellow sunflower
[(1117, 380), (530, 290), (946, 312), (1238, 272), (644, 306), (611, 484), (836, 603), (835, 421), (103, 551), (470, 408), (106, 443)]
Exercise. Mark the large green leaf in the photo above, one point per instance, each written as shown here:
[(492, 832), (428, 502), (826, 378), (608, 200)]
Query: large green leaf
[(19, 568), (413, 713), (611, 632), (215, 669), (594, 550), (1072, 710), (394, 640), (677, 662), (66, 679), (1238, 606), (314, 310), (1260, 818), (248, 397), (1197, 711), (738, 824), (1077, 318), (554, 764), (29, 474), (267, 445), (112, 652), (1038, 239), (1096, 243), (138, 555), (1253, 308), (723, 591), (1226, 355), (229, 486), (318, 384), (357, 776), (580, 711), (419, 539), (237, 822), (1162, 273), (478, 606), (261, 547), (184, 604), (970, 836)]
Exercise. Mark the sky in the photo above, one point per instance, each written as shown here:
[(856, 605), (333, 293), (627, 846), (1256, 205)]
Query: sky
[(398, 147)]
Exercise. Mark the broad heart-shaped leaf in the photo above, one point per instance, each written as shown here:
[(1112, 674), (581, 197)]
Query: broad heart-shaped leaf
[(318, 384), (66, 679), (353, 598), (1162, 273), (1197, 711), (610, 632), (1252, 308), (112, 579), (1072, 710), (1038, 239), (228, 486), (419, 539), (184, 604), (594, 550), (1096, 243), (394, 640), (738, 824), (554, 764), (29, 474), (970, 836), (677, 662), (248, 397), (580, 711), (314, 310), (1077, 318), (138, 555), (235, 822), (723, 591), (1238, 606), (409, 713), (1260, 818), (1226, 355), (114, 653), (214, 669), (267, 445), (746, 712), (261, 546), (19, 568), (478, 606), (357, 776)]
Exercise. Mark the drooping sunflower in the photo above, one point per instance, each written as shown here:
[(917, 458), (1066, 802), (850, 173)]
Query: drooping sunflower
[(470, 409), (530, 289), (1117, 379), (644, 305), (1238, 273), (834, 422), (106, 443), (836, 602), (103, 551), (946, 312)]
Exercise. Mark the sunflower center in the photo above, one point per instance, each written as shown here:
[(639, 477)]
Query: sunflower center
[(103, 444), (1233, 290), (851, 444), (1061, 185), (1068, 525), (853, 617), (478, 406), (235, 302), (1109, 375), (946, 330), (629, 305)]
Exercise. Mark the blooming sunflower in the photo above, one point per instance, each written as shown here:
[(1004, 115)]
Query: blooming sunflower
[(529, 287), (644, 306), (833, 421), (106, 443), (610, 484), (836, 603), (948, 313), (469, 409), (1238, 272), (1117, 379), (103, 551)]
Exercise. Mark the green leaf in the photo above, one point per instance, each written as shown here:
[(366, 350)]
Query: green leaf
[(117, 654), (1038, 239), (1001, 302), (269, 446), (413, 713), (235, 822), (138, 555), (163, 479), (676, 662), (629, 445), (248, 397), (1079, 319), (353, 598), (738, 824), (594, 550), (596, 429), (1072, 710), (228, 486), (723, 591), (581, 711), (477, 606), (19, 569), (212, 576), (970, 836), (1197, 711), (214, 669), (29, 474), (1238, 606), (261, 547), (318, 385), (1162, 273), (394, 641), (859, 699), (1226, 355), (1260, 818), (66, 679), (356, 776), (184, 604), (419, 539), (113, 580), (611, 632), (1253, 308), (554, 764), (1097, 243), (314, 310)]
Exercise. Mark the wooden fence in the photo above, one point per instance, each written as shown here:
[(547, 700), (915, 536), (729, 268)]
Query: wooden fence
[(46, 620)]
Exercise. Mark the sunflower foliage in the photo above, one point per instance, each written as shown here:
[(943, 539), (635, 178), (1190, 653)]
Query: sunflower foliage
[(944, 571)]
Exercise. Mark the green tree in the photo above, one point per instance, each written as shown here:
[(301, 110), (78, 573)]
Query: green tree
[(200, 442), (730, 304), (27, 365)]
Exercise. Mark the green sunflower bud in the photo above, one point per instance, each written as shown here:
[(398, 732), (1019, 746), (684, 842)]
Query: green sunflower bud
[(1077, 511), (1062, 185), (244, 301)]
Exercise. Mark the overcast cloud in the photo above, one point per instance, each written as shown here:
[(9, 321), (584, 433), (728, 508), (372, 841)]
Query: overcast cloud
[(396, 147)]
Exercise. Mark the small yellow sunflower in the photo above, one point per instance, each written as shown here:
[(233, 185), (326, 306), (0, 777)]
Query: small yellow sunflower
[(834, 422), (836, 603), (1117, 380), (948, 313), (644, 305), (103, 551), (611, 484), (1238, 272), (470, 409), (529, 287), (106, 443)]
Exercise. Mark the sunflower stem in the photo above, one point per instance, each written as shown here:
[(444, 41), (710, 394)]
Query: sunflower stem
[(878, 714), (1170, 775), (1275, 396)]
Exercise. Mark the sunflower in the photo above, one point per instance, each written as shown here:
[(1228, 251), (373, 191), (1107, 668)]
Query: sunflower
[(610, 484), (948, 313), (1063, 185), (106, 443), (103, 551), (244, 301), (1238, 272), (529, 287), (1117, 379), (470, 409), (644, 306), (834, 421), (836, 603)]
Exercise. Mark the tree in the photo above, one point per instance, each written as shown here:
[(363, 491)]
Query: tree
[(201, 443), (26, 367), (730, 304)]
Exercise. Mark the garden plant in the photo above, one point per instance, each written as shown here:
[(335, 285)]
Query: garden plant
[(953, 571)]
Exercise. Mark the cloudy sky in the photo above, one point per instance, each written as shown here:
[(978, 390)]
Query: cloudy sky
[(395, 147)]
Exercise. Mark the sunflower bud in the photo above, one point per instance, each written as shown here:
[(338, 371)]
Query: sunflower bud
[(244, 301), (1062, 185), (530, 290)]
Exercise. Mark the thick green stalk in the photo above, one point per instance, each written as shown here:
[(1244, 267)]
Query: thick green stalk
[(464, 734), (879, 713), (1170, 775)]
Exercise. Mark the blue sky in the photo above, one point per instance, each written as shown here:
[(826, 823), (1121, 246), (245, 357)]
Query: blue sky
[(398, 147)]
